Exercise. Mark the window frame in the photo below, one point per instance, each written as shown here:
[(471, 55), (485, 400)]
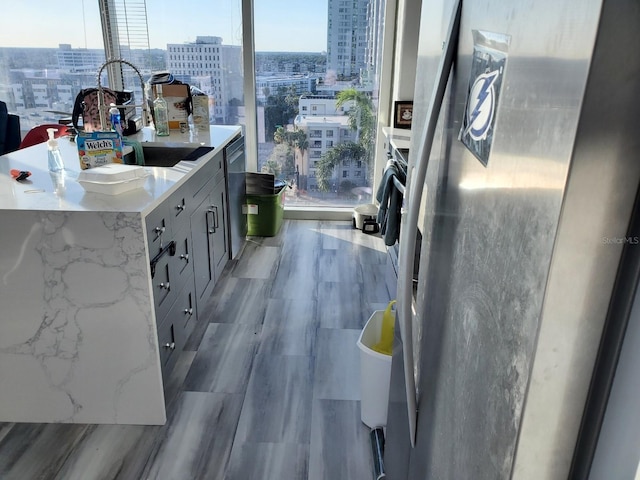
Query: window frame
[(249, 83)]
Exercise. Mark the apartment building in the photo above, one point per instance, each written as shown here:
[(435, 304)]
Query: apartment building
[(269, 84), (214, 68), (347, 31), (79, 59)]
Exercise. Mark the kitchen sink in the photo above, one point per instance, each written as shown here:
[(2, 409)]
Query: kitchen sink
[(158, 156)]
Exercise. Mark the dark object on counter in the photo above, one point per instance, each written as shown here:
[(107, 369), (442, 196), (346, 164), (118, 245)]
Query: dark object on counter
[(20, 175), (9, 130)]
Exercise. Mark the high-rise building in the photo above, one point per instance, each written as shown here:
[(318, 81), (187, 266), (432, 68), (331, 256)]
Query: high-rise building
[(347, 32), (73, 60), (214, 68)]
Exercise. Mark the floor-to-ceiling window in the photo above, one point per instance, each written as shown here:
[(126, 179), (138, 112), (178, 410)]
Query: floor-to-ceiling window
[(47, 54), (45, 60), (317, 74), (317, 81)]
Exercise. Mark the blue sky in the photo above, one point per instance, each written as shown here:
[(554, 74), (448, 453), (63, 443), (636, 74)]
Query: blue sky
[(281, 25)]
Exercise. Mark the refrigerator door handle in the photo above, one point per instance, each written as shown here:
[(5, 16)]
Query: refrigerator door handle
[(415, 183)]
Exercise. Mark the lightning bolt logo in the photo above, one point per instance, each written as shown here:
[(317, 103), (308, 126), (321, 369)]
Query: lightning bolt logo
[(481, 105)]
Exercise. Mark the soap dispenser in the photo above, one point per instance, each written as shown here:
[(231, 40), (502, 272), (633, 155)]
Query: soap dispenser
[(55, 158)]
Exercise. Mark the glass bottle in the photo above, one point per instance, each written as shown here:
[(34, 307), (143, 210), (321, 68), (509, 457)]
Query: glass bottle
[(160, 112)]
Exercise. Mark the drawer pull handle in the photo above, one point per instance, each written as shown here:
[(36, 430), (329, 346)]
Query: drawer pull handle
[(216, 221), (158, 231), (180, 207), (185, 256), (211, 220), (169, 248), (164, 285), (188, 311), (170, 346)]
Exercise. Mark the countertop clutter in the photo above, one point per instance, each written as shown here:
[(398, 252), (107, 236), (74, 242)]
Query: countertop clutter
[(46, 191), (83, 314)]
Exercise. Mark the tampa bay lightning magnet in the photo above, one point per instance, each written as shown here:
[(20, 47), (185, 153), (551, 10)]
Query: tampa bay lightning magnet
[(487, 69)]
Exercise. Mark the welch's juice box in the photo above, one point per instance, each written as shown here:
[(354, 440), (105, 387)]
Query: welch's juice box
[(99, 148)]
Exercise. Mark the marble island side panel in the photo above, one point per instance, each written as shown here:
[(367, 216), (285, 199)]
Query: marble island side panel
[(77, 335), (78, 339)]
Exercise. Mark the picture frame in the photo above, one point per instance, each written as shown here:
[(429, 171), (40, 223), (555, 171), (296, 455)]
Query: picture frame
[(402, 114)]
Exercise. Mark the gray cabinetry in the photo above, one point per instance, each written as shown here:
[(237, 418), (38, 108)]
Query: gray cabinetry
[(169, 241), (188, 245), (208, 230)]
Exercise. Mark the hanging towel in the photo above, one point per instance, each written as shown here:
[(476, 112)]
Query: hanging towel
[(390, 198), (138, 152)]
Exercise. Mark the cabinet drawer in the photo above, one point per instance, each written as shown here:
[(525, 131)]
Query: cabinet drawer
[(170, 345), (213, 170), (181, 206), (164, 291), (183, 313), (175, 328), (182, 261), (158, 229)]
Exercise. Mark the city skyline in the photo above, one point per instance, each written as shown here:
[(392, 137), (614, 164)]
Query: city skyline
[(280, 25)]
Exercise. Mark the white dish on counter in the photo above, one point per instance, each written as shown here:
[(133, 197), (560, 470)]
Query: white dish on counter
[(113, 178)]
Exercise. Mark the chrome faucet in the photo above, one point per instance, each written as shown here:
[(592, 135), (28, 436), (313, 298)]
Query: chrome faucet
[(103, 108)]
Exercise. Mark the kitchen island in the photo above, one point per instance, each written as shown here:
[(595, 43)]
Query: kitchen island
[(79, 339)]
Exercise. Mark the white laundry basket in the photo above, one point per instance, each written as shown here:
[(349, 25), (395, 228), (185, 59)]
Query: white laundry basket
[(375, 374)]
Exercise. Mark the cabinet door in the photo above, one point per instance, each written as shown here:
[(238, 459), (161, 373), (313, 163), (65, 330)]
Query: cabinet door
[(220, 238), (202, 230), (209, 238)]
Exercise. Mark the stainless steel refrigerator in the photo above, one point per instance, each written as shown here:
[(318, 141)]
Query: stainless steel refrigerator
[(523, 173)]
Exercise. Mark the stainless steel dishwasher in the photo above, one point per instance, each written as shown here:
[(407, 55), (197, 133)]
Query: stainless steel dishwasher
[(235, 161)]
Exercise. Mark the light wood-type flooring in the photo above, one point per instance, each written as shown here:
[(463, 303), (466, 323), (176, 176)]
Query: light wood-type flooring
[(267, 388)]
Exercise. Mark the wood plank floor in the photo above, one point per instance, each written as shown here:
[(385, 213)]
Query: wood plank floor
[(267, 388)]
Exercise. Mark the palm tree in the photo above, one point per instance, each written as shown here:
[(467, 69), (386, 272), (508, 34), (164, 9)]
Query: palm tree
[(293, 140), (361, 115), (334, 157), (363, 121)]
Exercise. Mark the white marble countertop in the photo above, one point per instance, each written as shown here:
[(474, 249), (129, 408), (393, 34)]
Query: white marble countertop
[(44, 191)]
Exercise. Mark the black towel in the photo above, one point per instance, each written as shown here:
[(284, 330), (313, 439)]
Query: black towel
[(390, 198)]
